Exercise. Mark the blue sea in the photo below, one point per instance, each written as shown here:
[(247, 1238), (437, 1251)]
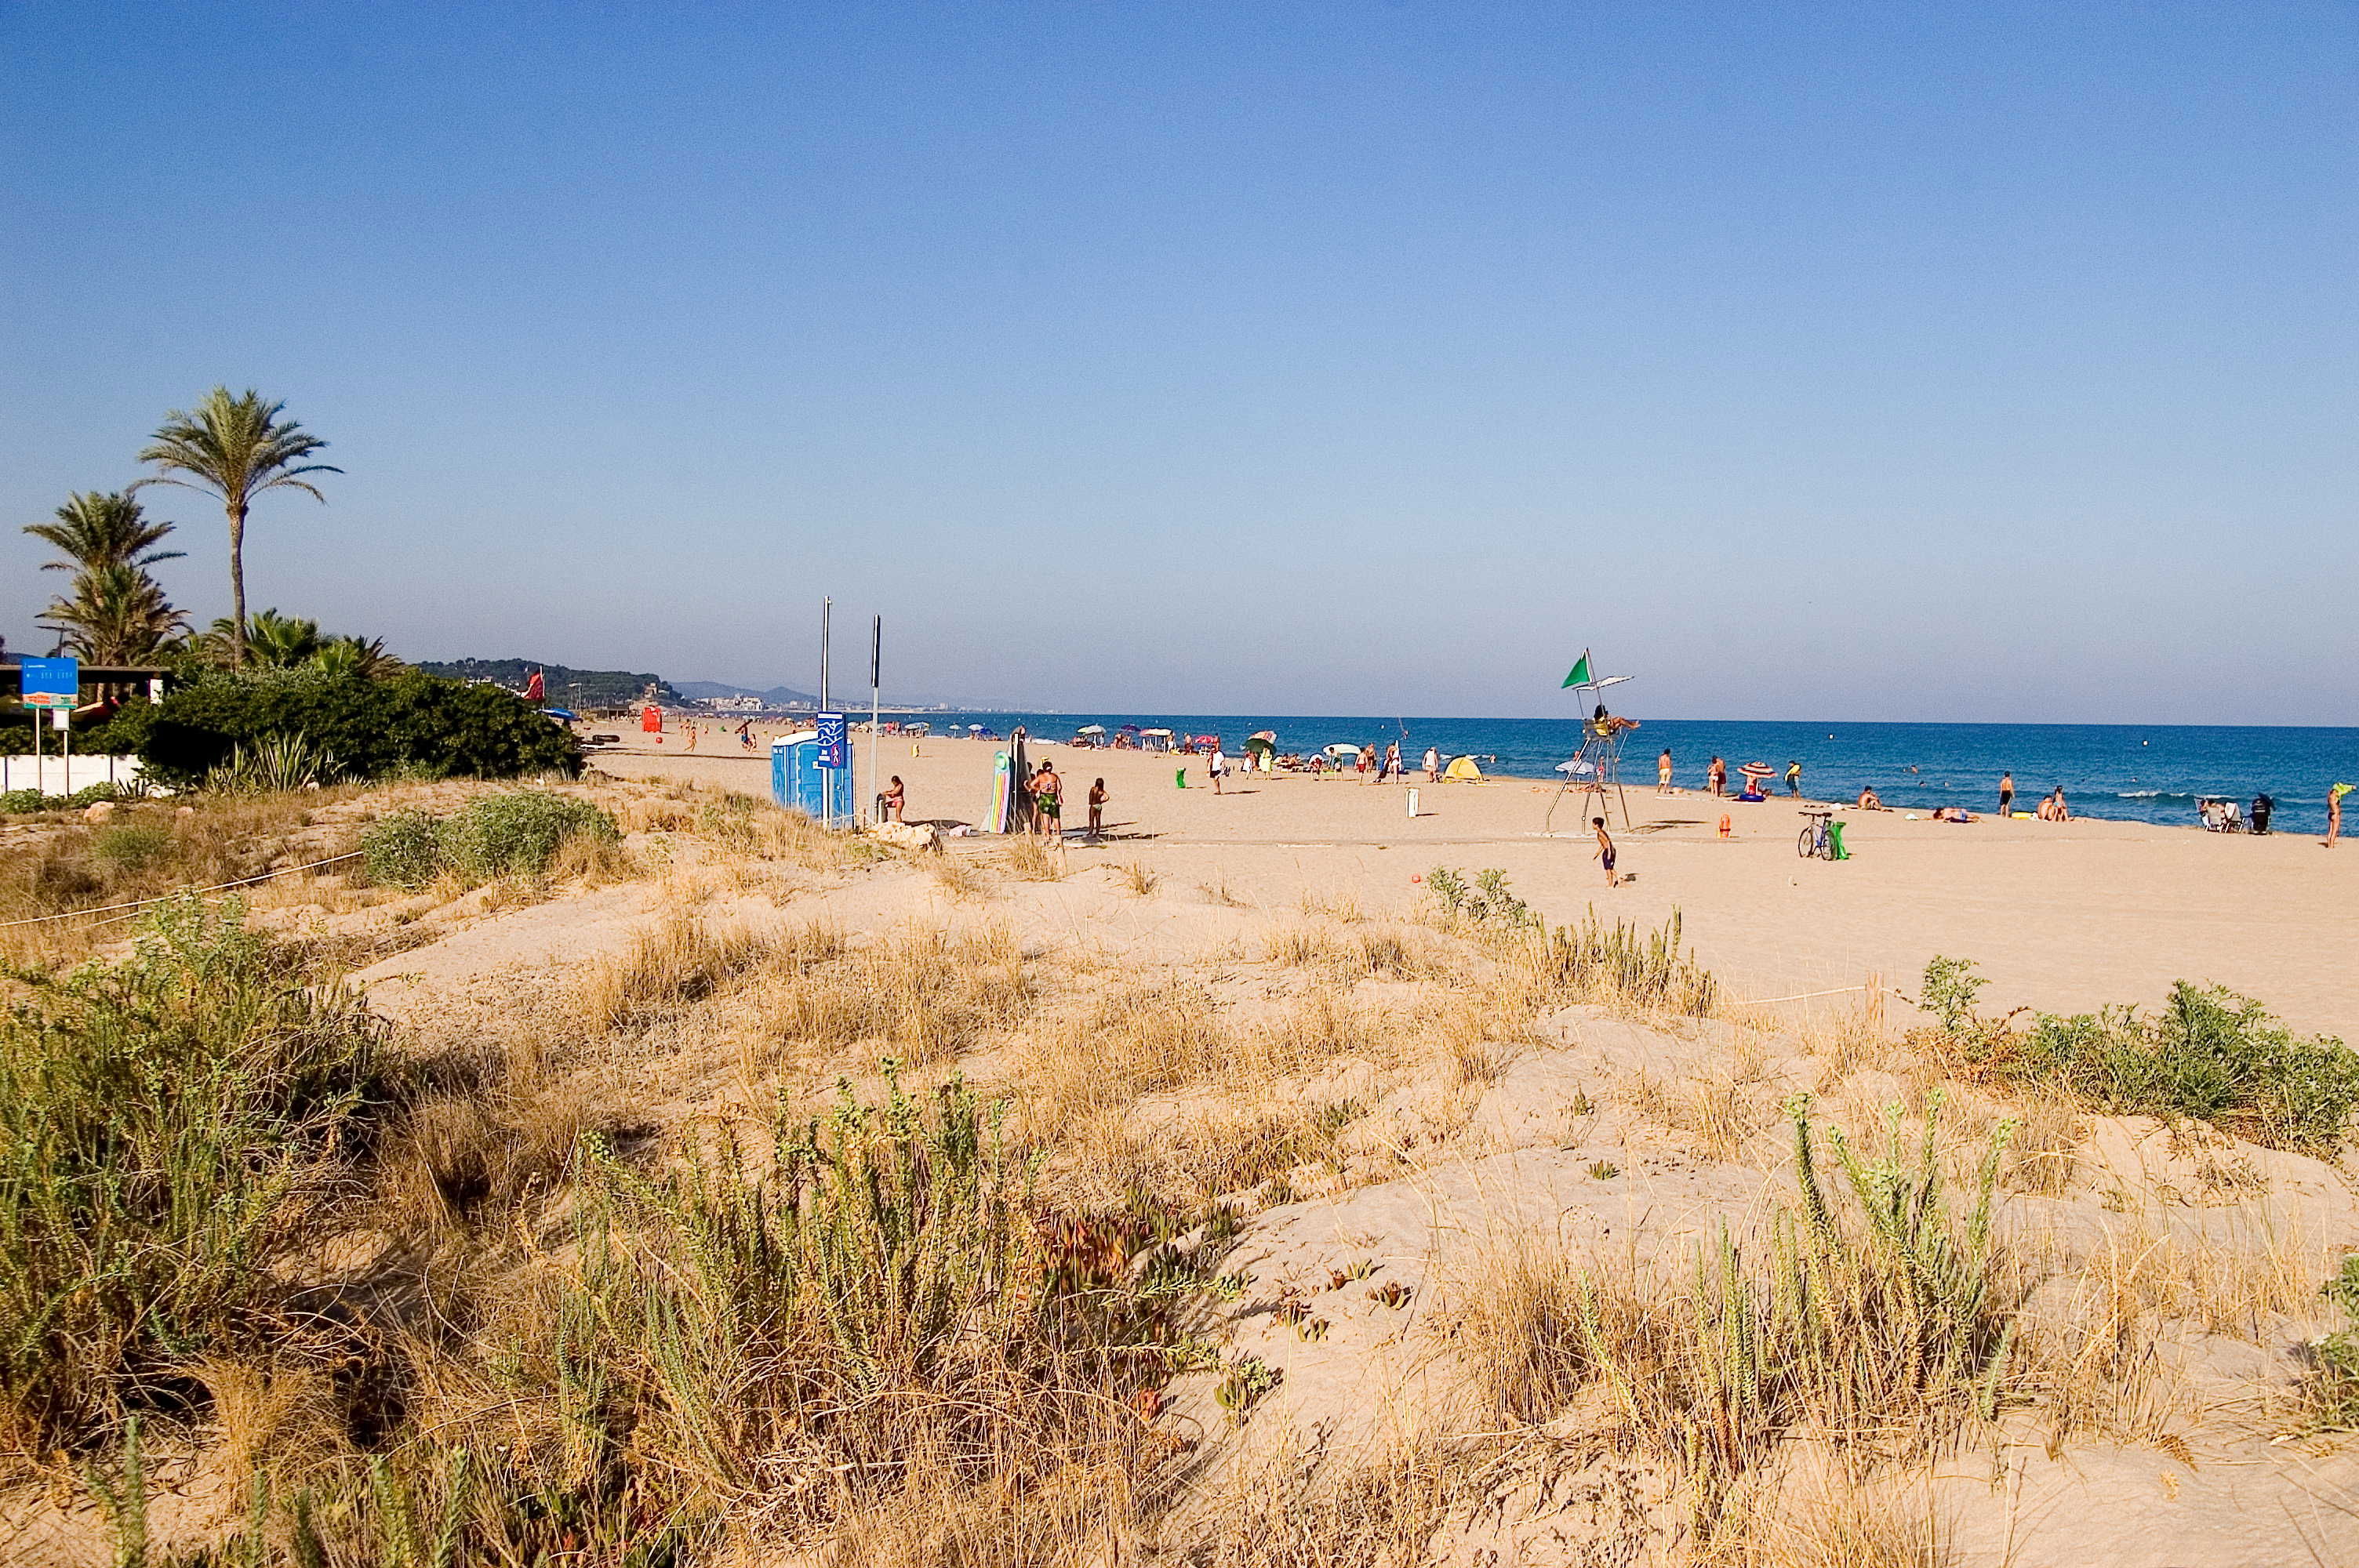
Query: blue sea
[(2133, 772)]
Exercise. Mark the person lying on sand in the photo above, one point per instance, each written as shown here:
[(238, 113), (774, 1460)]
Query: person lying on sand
[(1953, 814), (1870, 801)]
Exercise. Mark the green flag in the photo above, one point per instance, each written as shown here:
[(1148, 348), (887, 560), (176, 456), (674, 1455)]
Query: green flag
[(1580, 675)]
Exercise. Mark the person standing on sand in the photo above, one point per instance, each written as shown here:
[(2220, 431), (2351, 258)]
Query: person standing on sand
[(1717, 776), (1218, 767), (1392, 760), (1663, 773), (2334, 795), (1793, 777), (1606, 850), (2005, 791), (889, 803), (1432, 765), (1047, 801), (1097, 808)]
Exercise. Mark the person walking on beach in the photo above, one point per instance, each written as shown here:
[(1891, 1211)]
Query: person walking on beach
[(1717, 776), (1606, 850), (1432, 765), (2006, 792), (2334, 795), (745, 736), (1793, 777), (1663, 773), (1218, 767), (1097, 808)]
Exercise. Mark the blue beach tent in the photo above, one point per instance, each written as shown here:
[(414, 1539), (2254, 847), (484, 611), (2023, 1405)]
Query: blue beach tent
[(797, 780)]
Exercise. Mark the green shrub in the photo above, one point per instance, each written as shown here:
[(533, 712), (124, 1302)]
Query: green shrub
[(130, 845), (2209, 1055), (402, 849), (1486, 902), (518, 832), (513, 833), (2335, 1383), (171, 1127), (370, 727), (17, 800), (119, 736)]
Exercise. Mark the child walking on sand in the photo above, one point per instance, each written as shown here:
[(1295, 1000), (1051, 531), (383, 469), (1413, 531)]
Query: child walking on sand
[(1605, 852)]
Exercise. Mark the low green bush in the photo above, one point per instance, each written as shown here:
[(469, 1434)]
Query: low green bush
[(402, 849), (513, 833), (172, 1127), (2208, 1054), (414, 722), (2334, 1382), (131, 845)]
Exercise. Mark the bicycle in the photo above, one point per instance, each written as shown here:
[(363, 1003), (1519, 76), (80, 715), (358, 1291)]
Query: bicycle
[(1819, 839)]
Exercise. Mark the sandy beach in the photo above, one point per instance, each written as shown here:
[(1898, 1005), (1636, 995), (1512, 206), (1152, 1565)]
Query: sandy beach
[(2062, 917)]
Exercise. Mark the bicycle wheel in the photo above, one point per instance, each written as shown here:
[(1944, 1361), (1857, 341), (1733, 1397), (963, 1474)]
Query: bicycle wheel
[(1809, 846)]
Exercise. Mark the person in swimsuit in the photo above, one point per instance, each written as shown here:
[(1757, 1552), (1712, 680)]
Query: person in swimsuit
[(2005, 791), (1606, 850), (2334, 795), (1793, 778), (1048, 803), (1663, 773), (1717, 776), (1218, 767), (892, 799), (1392, 762), (1432, 765), (745, 736), (1868, 799), (1097, 808)]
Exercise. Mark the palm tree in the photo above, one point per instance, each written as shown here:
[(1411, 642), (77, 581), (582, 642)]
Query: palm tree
[(234, 448), (118, 615), (94, 530), (272, 640)]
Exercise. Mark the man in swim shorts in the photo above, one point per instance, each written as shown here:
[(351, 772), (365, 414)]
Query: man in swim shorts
[(1605, 852)]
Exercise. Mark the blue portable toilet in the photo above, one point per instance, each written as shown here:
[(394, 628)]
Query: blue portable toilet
[(798, 781)]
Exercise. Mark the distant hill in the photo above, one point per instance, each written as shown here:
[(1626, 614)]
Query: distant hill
[(567, 687), (776, 696)]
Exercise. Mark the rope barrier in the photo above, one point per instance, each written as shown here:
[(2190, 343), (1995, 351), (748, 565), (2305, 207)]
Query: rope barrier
[(1805, 996), (178, 892)]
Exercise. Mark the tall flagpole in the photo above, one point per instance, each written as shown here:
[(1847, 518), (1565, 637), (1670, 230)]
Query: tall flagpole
[(826, 609), (875, 708)]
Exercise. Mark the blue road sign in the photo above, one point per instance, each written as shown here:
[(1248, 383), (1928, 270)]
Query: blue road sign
[(51, 683), (834, 741)]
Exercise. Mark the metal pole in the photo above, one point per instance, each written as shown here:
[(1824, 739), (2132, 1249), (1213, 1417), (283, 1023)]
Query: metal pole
[(876, 707), (66, 741), (826, 610), (40, 776)]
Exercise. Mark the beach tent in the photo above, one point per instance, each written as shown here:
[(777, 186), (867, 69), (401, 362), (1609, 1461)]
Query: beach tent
[(798, 781), (1342, 749), (1463, 770), (920, 730)]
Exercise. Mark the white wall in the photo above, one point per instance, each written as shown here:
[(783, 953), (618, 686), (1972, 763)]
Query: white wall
[(50, 778)]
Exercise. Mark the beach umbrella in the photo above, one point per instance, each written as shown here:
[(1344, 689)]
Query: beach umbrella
[(1131, 729), (1578, 765), (1343, 748), (1091, 730), (1265, 741)]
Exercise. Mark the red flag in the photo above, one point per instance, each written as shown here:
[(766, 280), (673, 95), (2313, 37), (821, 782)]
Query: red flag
[(535, 689)]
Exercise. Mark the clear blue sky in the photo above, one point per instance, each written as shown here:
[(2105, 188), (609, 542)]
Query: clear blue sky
[(1874, 360)]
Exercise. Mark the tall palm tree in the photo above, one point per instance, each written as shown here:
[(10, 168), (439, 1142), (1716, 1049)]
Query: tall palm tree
[(96, 530), (118, 615), (234, 449)]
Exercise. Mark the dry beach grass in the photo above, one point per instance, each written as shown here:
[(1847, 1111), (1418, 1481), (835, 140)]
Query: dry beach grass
[(731, 1193)]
